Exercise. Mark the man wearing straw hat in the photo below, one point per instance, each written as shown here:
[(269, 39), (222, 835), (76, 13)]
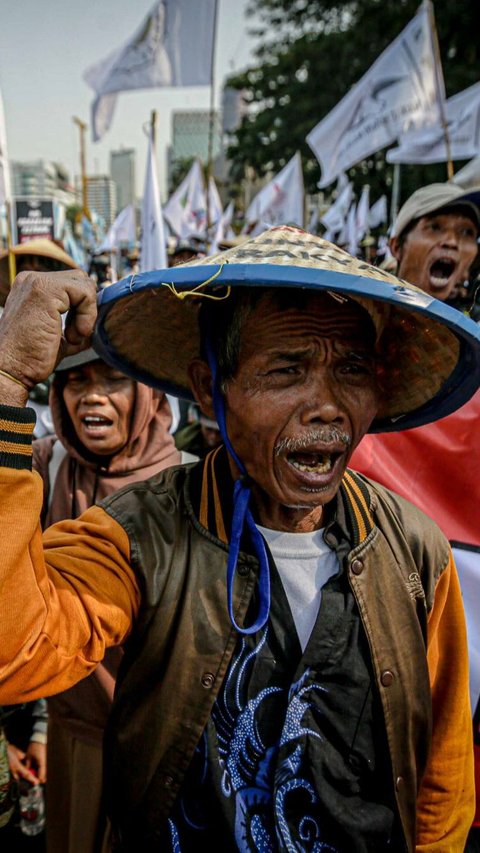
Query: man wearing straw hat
[(295, 672)]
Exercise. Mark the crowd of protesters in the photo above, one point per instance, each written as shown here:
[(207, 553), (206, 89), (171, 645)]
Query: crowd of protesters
[(99, 430)]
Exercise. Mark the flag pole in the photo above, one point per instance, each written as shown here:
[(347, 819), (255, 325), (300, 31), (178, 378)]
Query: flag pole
[(395, 193), (12, 262), (443, 118), (83, 167), (208, 170)]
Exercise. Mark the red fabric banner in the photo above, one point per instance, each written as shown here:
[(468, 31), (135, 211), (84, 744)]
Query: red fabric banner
[(437, 467)]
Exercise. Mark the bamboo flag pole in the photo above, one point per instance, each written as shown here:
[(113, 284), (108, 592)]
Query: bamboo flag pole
[(395, 193), (440, 90), (12, 262), (211, 122)]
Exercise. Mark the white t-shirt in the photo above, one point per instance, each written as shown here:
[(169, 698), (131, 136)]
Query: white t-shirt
[(305, 563)]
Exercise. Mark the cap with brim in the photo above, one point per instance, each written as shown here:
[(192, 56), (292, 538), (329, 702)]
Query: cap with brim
[(184, 246), (43, 248), (427, 200), (71, 361), (148, 324)]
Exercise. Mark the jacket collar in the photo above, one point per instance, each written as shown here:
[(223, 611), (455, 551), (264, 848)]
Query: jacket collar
[(349, 516)]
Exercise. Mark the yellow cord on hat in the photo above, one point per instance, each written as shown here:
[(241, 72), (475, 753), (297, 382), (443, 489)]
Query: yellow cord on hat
[(182, 294)]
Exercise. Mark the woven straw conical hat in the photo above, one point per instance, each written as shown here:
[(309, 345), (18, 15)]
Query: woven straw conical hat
[(148, 323), (40, 247)]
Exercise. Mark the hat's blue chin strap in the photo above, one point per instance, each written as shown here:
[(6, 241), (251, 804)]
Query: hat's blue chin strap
[(241, 517)]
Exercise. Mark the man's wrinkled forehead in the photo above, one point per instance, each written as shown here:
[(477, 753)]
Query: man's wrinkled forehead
[(326, 314)]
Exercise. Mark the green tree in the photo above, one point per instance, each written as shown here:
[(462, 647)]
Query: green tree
[(311, 52)]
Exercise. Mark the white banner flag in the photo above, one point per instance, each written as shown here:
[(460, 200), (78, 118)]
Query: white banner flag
[(186, 209), (281, 201), (351, 231), (361, 216), (223, 230), (428, 145), (102, 110), (215, 209), (153, 250), (378, 212), (401, 90), (122, 230), (334, 218), (172, 47), (469, 175), (5, 192)]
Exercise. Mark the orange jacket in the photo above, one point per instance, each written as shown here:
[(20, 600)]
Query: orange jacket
[(58, 612)]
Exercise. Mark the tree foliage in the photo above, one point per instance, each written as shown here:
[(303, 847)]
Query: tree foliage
[(311, 52)]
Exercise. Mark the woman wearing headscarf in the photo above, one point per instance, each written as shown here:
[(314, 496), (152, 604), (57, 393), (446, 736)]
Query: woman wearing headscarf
[(109, 431)]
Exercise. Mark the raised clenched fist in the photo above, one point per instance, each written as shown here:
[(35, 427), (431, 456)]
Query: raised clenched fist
[(33, 337)]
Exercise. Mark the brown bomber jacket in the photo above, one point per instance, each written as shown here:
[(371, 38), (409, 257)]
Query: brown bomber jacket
[(149, 565)]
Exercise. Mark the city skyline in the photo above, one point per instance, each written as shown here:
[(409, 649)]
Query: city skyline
[(42, 59)]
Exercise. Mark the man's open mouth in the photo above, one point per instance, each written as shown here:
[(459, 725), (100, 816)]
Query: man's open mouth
[(441, 271), (313, 463)]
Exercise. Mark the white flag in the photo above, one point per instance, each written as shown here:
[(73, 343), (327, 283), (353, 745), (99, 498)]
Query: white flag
[(378, 212), (186, 209), (351, 230), (428, 145), (223, 230), (122, 230), (172, 47), (469, 175), (153, 251), (5, 193), (214, 206), (102, 111), (401, 90), (334, 218), (362, 213), (282, 200)]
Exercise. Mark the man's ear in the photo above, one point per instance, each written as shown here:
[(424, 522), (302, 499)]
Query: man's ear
[(200, 377), (395, 248)]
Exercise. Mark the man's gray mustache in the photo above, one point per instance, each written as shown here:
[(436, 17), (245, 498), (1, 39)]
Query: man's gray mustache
[(325, 435)]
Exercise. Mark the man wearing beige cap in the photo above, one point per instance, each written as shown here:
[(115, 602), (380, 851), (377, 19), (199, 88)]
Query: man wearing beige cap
[(434, 238)]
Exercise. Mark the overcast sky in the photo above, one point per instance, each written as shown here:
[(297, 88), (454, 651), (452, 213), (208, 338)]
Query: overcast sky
[(46, 46)]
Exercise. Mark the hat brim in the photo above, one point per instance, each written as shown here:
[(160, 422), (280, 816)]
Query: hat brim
[(42, 248), (149, 333)]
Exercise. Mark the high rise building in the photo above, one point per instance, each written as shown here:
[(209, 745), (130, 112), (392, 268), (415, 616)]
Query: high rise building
[(190, 136), (42, 179), (122, 170), (102, 197)]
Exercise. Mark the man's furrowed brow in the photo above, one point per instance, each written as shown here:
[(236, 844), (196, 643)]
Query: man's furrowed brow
[(293, 354)]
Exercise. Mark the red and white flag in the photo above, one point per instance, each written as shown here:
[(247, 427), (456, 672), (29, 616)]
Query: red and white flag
[(437, 468)]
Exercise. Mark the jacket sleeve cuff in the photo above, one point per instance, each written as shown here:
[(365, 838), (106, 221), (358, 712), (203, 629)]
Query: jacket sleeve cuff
[(16, 435)]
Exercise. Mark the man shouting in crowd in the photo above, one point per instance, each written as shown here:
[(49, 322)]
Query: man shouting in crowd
[(295, 673)]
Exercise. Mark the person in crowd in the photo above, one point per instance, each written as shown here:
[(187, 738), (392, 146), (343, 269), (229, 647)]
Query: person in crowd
[(438, 466), (183, 251), (23, 759), (200, 435), (434, 238), (109, 431), (295, 669), (41, 255)]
